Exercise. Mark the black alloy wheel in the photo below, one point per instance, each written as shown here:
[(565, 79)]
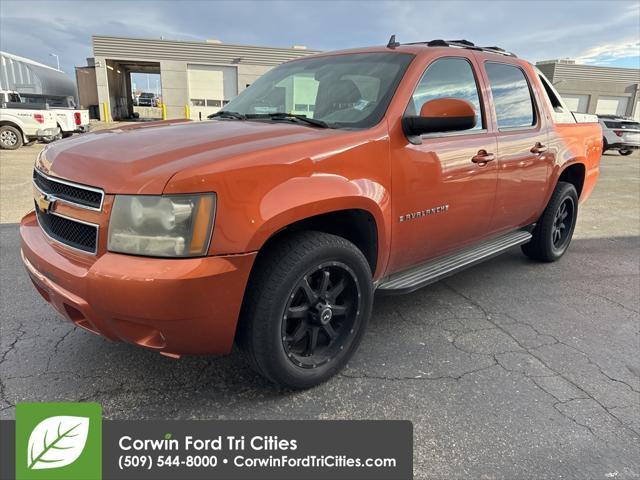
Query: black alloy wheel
[(306, 308), (554, 229), (562, 223), (322, 313)]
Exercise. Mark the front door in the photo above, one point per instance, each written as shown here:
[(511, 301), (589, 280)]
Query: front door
[(443, 189), (524, 165)]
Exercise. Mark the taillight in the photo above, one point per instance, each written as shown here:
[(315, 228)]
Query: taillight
[(618, 132), (76, 115), (38, 117)]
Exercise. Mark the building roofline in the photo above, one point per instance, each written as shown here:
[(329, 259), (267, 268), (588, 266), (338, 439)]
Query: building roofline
[(27, 60), (203, 42), (585, 65)]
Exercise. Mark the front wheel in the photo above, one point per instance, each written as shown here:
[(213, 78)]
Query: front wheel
[(307, 305), (625, 152), (554, 230)]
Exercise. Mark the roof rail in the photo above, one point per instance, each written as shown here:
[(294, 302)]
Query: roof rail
[(464, 44)]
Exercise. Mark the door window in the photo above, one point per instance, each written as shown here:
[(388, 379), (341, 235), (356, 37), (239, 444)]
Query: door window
[(511, 96), (450, 77)]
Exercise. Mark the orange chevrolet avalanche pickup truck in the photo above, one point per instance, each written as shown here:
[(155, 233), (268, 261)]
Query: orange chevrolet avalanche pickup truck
[(332, 177)]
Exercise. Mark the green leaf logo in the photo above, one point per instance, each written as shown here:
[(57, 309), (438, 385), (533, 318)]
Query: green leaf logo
[(57, 442)]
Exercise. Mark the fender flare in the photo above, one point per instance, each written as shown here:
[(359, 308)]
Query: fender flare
[(329, 194), (14, 125), (559, 170)]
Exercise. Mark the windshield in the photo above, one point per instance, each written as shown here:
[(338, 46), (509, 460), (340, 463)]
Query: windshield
[(344, 91)]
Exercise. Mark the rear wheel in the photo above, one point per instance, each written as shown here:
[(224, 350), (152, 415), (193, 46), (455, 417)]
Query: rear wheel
[(10, 138), (625, 152), (308, 303), (554, 230)]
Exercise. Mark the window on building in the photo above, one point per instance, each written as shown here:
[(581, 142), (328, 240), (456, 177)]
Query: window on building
[(214, 103), (450, 77), (198, 102), (511, 96)]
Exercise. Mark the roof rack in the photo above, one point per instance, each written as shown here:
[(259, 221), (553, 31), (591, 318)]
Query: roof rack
[(463, 44)]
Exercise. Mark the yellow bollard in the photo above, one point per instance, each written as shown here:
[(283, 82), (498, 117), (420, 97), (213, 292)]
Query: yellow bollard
[(187, 111), (105, 112), (164, 111)]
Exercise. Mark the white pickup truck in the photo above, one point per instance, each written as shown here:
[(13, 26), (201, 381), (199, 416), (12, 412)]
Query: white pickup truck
[(70, 119), (21, 124)]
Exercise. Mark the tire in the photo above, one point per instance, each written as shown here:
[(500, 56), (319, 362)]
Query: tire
[(10, 138), (67, 134), (30, 142), (554, 230), (605, 145), (279, 319), (624, 153)]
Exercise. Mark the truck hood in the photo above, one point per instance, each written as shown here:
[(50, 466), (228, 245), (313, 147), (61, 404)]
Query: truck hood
[(141, 158)]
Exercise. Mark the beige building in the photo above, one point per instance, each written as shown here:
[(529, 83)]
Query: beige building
[(592, 89), (196, 78)]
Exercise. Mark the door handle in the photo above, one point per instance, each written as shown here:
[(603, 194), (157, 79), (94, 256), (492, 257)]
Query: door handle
[(539, 148), (483, 157)]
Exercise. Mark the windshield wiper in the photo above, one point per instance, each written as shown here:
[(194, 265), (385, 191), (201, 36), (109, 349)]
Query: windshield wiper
[(227, 114), (291, 116)]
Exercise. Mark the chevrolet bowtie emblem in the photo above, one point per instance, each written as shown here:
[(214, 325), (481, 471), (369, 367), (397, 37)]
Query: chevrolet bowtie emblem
[(44, 202)]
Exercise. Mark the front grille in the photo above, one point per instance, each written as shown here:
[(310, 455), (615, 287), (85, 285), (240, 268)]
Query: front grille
[(69, 232), (67, 192)]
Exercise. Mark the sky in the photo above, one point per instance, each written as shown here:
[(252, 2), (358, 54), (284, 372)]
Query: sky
[(592, 32)]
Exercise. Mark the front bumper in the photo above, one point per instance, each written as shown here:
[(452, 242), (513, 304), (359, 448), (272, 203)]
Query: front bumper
[(175, 306)]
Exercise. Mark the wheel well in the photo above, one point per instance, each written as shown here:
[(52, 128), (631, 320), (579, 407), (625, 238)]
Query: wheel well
[(574, 174), (357, 226), (11, 124)]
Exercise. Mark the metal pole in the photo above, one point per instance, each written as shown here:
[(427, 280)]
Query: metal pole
[(57, 59)]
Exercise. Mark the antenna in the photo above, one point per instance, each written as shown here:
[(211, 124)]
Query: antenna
[(392, 42)]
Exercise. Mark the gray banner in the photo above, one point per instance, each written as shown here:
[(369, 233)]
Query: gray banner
[(235, 450)]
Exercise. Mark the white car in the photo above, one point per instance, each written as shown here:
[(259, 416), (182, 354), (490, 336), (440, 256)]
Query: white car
[(21, 124), (620, 133), (70, 119)]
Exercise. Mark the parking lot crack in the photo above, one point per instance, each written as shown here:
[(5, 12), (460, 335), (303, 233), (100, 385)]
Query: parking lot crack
[(542, 361), (54, 351), (388, 378)]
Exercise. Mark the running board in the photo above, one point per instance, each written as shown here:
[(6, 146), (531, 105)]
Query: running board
[(430, 272)]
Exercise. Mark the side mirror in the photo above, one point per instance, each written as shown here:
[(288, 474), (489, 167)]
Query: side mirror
[(440, 115)]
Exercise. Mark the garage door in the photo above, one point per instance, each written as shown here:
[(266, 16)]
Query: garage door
[(636, 115), (210, 88), (612, 105), (576, 103)]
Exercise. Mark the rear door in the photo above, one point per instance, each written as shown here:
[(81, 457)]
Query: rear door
[(524, 165)]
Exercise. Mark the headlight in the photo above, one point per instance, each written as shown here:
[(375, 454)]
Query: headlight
[(162, 226)]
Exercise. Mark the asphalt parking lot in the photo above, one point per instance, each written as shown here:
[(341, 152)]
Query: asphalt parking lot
[(511, 369)]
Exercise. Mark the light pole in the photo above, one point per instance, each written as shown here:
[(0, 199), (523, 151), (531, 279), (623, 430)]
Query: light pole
[(57, 59)]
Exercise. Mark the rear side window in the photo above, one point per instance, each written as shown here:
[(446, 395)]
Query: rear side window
[(560, 112), (450, 77), (511, 96)]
